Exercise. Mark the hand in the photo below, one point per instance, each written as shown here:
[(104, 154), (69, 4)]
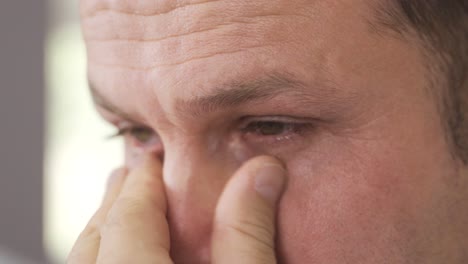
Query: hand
[(131, 226)]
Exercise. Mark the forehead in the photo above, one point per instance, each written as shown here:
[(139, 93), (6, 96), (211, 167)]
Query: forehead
[(179, 49), (178, 29)]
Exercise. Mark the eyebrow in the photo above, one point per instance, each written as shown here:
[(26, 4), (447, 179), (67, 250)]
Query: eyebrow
[(229, 95), (238, 93), (103, 103)]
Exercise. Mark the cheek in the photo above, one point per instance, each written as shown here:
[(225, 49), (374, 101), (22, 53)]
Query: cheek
[(336, 200), (240, 151)]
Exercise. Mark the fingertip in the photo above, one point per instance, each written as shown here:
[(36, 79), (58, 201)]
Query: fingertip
[(266, 159), (150, 160), (270, 180), (269, 175), (144, 162), (246, 212)]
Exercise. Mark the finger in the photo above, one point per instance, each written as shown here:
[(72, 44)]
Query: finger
[(136, 228), (87, 245), (244, 226)]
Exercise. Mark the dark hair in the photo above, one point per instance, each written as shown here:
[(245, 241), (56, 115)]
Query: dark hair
[(441, 29)]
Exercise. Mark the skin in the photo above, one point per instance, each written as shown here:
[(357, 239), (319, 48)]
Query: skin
[(131, 225), (371, 178)]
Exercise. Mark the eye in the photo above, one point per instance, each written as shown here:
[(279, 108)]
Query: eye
[(274, 130), (268, 128), (140, 136)]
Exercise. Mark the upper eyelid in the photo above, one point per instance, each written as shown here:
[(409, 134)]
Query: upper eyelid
[(129, 124), (279, 119), (121, 122)]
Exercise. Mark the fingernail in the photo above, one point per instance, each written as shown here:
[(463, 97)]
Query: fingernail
[(269, 182)]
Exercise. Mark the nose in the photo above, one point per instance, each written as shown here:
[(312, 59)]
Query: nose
[(194, 181)]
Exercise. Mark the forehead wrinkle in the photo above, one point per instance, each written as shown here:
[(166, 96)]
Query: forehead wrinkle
[(184, 20), (222, 39), (135, 30), (161, 28), (232, 31), (151, 8), (153, 34), (112, 25), (91, 8), (170, 51), (150, 68)]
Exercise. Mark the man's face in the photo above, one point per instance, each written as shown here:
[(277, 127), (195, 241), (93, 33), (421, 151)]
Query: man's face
[(345, 105)]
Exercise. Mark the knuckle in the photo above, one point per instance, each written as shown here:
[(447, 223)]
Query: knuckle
[(252, 229), (255, 240)]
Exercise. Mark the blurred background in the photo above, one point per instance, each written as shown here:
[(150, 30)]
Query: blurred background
[(54, 155)]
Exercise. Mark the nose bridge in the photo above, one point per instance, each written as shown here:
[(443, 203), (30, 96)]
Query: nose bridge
[(194, 178), (192, 172)]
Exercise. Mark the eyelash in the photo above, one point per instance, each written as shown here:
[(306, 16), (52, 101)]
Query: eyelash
[(250, 128)]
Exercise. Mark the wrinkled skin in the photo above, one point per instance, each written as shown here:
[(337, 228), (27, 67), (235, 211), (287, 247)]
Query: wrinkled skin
[(371, 178)]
